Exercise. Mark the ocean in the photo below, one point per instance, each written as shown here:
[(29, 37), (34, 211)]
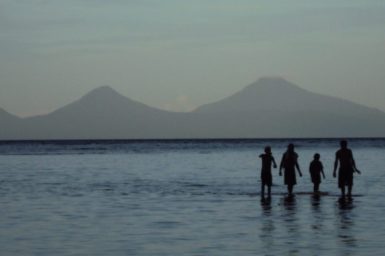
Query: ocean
[(184, 197)]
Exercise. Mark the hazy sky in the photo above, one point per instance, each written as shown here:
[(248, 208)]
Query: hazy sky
[(177, 54)]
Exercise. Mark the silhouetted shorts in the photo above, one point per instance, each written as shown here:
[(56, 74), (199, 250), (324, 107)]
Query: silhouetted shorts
[(345, 178), (266, 178)]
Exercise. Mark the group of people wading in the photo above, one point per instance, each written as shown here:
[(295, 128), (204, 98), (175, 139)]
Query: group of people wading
[(289, 164)]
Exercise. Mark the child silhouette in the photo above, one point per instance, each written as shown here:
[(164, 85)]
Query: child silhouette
[(315, 169)]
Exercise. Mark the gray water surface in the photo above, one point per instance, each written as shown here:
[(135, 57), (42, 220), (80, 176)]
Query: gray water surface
[(183, 198)]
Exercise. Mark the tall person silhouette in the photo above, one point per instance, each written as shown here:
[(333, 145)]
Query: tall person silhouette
[(266, 177), (344, 157), (289, 163)]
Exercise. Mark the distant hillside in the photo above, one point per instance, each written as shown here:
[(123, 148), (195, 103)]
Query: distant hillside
[(102, 113), (6, 117), (270, 107), (274, 107), (277, 94), (10, 125)]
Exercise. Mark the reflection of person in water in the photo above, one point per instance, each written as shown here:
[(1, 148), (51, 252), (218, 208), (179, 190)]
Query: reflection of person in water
[(344, 157), (289, 162), (315, 169), (266, 177)]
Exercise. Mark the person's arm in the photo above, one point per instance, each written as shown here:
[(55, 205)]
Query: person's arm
[(297, 166), (335, 166), (281, 165), (298, 169), (274, 163), (322, 170), (354, 164)]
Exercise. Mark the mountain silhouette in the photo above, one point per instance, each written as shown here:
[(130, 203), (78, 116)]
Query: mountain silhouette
[(102, 113), (7, 117), (266, 93), (270, 107), (104, 103), (9, 125), (277, 94)]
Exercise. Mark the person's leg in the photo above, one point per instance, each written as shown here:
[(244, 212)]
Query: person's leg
[(342, 182), (263, 190), (350, 184), (316, 187), (268, 191), (290, 189), (350, 190)]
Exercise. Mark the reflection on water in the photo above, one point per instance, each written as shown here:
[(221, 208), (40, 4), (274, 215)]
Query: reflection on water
[(298, 225), (266, 207), (291, 225), (317, 230), (315, 202), (318, 218), (345, 224), (289, 216), (268, 227)]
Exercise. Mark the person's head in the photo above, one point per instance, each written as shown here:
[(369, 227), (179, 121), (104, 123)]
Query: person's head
[(343, 144), (268, 150), (290, 147), (316, 156)]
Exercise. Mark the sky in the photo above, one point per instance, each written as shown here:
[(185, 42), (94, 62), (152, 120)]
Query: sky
[(177, 55)]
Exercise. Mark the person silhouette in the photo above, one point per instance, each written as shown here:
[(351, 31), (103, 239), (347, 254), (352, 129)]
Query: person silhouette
[(315, 169), (266, 177), (289, 163), (344, 157)]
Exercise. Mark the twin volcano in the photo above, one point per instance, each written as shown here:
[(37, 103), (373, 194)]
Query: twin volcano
[(270, 107)]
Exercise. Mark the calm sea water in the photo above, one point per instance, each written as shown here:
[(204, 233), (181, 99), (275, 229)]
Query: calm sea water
[(183, 198)]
